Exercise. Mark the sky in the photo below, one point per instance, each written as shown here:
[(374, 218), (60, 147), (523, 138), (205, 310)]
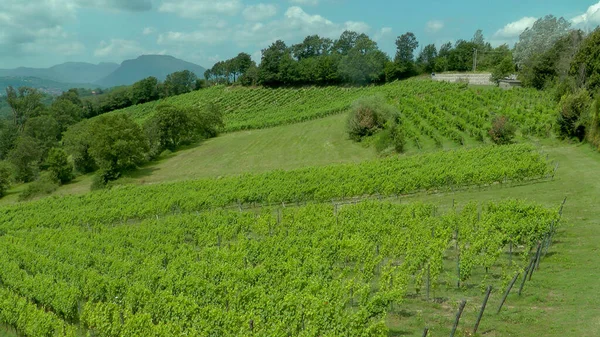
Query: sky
[(42, 33)]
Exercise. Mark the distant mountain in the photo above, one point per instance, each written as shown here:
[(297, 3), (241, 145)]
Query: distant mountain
[(70, 72), (44, 85), (144, 66)]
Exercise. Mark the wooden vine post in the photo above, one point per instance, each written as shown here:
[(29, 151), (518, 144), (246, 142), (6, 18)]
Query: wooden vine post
[(461, 307), (485, 300)]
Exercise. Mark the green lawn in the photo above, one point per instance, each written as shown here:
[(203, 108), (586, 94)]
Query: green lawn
[(561, 300)]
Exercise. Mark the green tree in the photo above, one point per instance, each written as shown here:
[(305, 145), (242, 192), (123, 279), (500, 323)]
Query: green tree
[(270, 65), (76, 142), (168, 128), (206, 122), (25, 157), (45, 130), (405, 58), (145, 90), (365, 63), (539, 38), (427, 58), (5, 177), (66, 113), (8, 137), (58, 163), (346, 42), (461, 57), (504, 69), (24, 103), (117, 144), (586, 63), (179, 82)]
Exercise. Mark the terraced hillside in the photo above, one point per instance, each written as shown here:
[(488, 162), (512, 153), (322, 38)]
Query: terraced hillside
[(435, 113)]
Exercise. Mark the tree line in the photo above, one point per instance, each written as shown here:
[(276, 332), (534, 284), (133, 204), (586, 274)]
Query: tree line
[(553, 56), (143, 91), (48, 145), (354, 59)]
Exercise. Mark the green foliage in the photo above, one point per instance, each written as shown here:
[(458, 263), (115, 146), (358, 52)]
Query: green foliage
[(58, 164), (502, 131), (44, 185), (505, 68), (145, 90), (25, 157), (76, 142), (390, 176), (367, 116), (574, 115), (538, 39), (65, 112), (5, 177), (45, 130), (169, 128), (586, 63), (179, 82), (130, 282), (117, 143), (24, 103), (8, 137)]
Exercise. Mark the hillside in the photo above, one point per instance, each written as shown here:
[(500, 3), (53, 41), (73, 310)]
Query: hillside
[(69, 72), (400, 253), (434, 112), (159, 66)]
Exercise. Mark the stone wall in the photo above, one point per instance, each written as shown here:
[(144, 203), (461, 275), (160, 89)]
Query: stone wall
[(478, 79)]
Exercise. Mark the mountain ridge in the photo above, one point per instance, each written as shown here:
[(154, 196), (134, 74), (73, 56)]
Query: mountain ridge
[(159, 66)]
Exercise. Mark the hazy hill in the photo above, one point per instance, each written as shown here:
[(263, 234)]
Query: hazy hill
[(144, 66), (70, 72), (44, 85)]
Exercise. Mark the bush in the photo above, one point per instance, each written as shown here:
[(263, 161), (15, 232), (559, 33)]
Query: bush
[(46, 184), (502, 131), (5, 177), (367, 116), (58, 163), (573, 116)]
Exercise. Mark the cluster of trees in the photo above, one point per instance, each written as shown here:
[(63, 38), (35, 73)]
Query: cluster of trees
[(552, 56), (355, 59), (49, 144), (146, 90)]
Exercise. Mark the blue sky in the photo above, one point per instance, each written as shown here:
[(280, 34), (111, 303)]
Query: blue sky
[(41, 33)]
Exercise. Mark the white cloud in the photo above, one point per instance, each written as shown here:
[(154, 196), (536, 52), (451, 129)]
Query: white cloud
[(201, 36), (305, 2), (259, 12), (127, 5), (149, 31), (295, 25), (382, 33), (514, 29), (119, 48), (591, 16), (201, 8), (434, 26)]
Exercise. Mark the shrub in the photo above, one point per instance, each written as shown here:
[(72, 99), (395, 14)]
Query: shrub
[(573, 116), (502, 131), (46, 184), (367, 116), (58, 163)]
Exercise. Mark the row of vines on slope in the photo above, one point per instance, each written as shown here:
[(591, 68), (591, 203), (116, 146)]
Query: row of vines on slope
[(318, 270), (454, 110), (391, 176)]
